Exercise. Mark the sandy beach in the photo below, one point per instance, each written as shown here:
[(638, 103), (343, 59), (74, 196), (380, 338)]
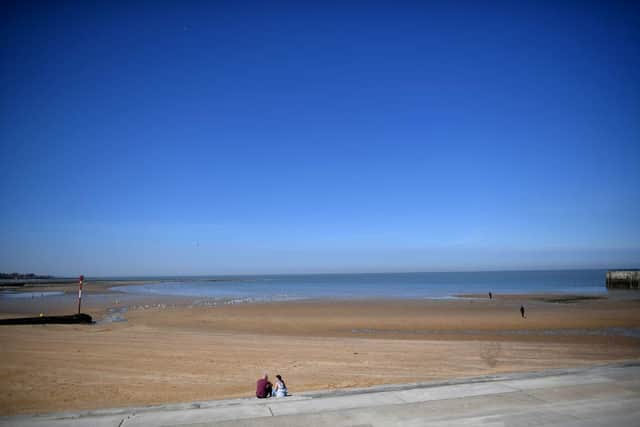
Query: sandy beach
[(175, 350)]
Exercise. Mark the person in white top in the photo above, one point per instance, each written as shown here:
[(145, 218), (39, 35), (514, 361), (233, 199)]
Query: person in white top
[(279, 388)]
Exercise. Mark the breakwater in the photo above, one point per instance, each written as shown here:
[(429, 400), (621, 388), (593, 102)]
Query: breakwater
[(623, 279)]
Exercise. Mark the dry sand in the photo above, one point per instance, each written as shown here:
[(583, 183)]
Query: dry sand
[(184, 352)]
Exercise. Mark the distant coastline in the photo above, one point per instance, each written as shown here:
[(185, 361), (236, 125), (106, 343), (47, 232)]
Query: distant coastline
[(26, 276)]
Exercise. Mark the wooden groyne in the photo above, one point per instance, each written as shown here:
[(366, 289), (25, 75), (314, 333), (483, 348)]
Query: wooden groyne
[(623, 279), (43, 320)]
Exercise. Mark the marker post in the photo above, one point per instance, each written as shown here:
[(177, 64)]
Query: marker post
[(80, 293)]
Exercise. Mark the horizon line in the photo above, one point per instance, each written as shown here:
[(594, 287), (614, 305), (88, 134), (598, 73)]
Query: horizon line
[(143, 276)]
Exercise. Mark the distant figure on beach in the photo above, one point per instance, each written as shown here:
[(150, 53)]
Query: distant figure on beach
[(490, 295), (522, 312), (280, 388), (263, 387)]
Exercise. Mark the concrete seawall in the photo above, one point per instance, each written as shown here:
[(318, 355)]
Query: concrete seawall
[(623, 279), (599, 396)]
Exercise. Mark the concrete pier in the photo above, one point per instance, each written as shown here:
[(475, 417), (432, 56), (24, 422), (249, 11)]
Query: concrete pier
[(623, 279)]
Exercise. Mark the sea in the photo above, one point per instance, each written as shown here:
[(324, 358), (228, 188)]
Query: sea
[(430, 285)]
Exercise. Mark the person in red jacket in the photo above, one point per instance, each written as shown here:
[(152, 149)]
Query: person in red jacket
[(263, 387)]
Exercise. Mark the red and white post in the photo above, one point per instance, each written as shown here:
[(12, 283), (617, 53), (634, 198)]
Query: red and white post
[(80, 293)]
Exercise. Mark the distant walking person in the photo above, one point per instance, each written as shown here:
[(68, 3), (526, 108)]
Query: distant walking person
[(263, 387), (490, 295), (280, 388), (522, 312)]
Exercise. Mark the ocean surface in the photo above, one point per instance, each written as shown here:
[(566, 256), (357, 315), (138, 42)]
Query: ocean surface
[(379, 285)]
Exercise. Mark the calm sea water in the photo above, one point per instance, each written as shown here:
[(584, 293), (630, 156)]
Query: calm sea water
[(384, 285)]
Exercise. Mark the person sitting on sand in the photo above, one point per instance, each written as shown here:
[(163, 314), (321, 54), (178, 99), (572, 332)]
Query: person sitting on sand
[(263, 387), (280, 388)]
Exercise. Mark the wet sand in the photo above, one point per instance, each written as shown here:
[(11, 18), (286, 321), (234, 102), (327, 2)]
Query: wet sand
[(172, 350)]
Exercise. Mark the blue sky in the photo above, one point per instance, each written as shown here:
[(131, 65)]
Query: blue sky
[(273, 137)]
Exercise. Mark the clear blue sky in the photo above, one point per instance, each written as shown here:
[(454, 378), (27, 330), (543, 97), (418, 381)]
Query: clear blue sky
[(146, 138)]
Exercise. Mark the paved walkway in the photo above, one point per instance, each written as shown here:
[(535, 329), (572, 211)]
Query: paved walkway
[(598, 396)]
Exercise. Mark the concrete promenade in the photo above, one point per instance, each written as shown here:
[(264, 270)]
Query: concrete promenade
[(598, 396)]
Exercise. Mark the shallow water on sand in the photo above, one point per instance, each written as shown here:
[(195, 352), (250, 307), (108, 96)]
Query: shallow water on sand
[(20, 295)]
